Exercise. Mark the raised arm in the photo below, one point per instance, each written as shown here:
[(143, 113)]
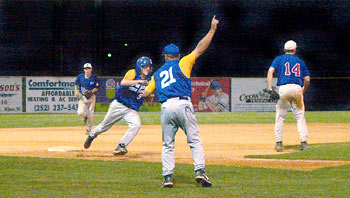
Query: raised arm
[(206, 40)]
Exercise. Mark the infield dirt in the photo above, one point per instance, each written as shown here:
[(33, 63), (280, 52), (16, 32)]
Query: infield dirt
[(223, 144)]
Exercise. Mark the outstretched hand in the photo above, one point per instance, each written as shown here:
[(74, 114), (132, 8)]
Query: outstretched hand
[(214, 23)]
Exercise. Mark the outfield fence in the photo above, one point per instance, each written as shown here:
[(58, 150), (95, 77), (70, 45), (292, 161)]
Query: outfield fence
[(29, 94)]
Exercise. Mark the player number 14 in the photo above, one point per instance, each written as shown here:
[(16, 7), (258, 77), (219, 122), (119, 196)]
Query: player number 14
[(295, 69)]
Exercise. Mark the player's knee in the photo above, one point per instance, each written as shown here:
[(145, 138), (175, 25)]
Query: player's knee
[(136, 126), (83, 114)]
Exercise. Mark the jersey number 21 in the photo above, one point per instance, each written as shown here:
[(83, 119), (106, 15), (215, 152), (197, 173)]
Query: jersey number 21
[(167, 77)]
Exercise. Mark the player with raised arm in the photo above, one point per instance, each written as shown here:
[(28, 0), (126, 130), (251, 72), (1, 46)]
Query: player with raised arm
[(172, 81), (293, 78), (125, 105), (86, 85)]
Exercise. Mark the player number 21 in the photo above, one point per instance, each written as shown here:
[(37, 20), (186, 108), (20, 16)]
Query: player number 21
[(295, 69), (167, 77)]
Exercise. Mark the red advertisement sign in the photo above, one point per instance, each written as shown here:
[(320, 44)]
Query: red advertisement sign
[(211, 94)]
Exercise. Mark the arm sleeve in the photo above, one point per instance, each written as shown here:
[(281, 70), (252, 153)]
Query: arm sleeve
[(186, 64), (151, 86), (305, 71), (130, 75), (275, 63), (77, 80), (97, 82)]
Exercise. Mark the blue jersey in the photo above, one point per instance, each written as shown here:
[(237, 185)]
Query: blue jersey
[(171, 82), (86, 83), (128, 95), (290, 69)]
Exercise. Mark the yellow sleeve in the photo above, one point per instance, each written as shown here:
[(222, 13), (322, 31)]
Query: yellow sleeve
[(186, 64), (151, 86), (130, 75)]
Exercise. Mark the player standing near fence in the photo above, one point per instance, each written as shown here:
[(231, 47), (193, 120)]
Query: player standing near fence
[(293, 78), (173, 84), (126, 105), (86, 85)]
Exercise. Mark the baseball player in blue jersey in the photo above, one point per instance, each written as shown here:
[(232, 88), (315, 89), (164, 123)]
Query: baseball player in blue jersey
[(173, 84), (125, 105), (86, 85), (293, 78)]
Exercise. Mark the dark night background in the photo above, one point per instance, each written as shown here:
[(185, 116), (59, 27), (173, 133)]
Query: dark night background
[(56, 38)]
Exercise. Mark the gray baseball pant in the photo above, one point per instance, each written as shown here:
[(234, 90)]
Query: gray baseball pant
[(116, 112), (177, 113)]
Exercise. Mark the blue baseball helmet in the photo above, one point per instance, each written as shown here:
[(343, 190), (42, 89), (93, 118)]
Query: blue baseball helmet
[(144, 60), (215, 85)]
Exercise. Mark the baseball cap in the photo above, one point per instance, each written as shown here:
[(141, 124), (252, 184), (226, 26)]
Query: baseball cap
[(87, 65), (171, 49), (290, 45), (215, 85)]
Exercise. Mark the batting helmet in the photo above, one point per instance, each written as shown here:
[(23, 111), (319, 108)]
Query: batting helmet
[(215, 85), (144, 60)]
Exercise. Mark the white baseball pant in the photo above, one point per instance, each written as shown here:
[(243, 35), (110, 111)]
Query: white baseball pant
[(86, 108), (291, 95)]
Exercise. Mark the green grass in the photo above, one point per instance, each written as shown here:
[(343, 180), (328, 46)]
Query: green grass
[(327, 151), (41, 177), (58, 120)]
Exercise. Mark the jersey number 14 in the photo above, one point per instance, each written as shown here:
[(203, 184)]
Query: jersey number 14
[(295, 69)]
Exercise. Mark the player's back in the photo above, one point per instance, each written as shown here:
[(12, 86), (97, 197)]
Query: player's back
[(290, 69), (171, 82)]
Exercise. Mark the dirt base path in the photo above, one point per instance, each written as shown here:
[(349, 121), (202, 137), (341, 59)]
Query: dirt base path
[(223, 144)]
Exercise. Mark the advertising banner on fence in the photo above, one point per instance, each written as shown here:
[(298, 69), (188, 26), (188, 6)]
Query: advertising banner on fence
[(248, 94), (11, 95), (211, 94), (106, 92), (51, 95)]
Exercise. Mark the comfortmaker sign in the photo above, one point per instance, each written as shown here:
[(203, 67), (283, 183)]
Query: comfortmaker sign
[(51, 94)]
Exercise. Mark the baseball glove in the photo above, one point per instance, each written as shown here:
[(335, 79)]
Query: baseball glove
[(273, 94), (87, 94)]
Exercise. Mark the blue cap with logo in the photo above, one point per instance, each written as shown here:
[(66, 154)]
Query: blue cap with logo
[(171, 49), (215, 85)]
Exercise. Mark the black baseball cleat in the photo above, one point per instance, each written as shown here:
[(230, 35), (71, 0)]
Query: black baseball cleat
[(304, 146), (202, 178), (120, 150), (279, 146), (85, 120), (88, 141), (167, 182)]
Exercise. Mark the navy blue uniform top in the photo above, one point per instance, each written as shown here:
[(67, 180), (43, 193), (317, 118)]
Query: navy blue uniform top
[(86, 83), (128, 95), (290, 70)]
